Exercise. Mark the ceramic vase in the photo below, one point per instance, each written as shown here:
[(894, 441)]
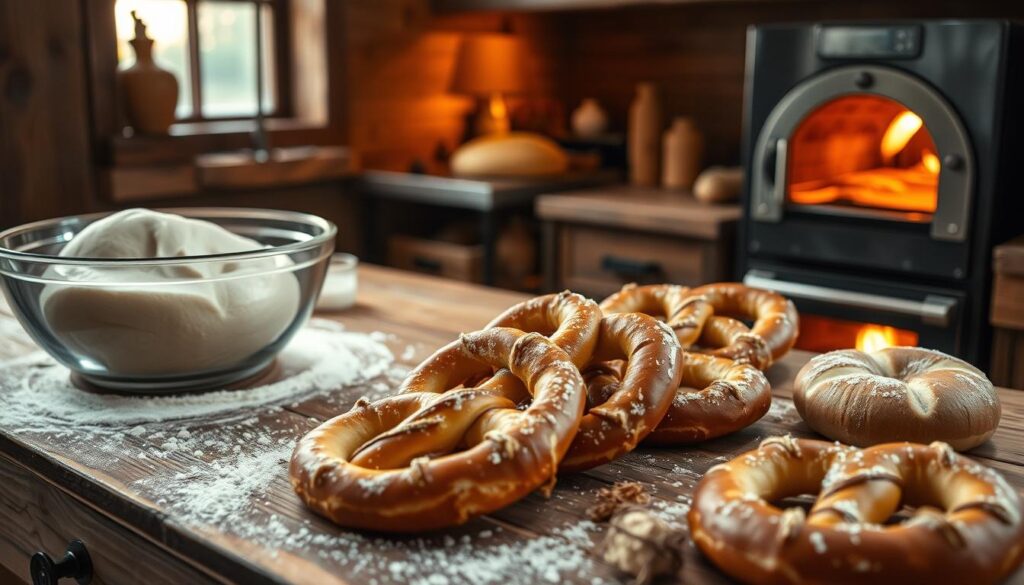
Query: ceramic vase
[(683, 154), (149, 92), (644, 136), (589, 120)]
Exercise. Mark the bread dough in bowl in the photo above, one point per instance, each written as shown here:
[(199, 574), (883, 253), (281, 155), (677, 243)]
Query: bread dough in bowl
[(167, 319)]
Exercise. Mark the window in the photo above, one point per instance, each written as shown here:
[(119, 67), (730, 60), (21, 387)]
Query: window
[(210, 46)]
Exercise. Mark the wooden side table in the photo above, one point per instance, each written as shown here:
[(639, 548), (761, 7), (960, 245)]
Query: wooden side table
[(1007, 314), (597, 240), (490, 199)]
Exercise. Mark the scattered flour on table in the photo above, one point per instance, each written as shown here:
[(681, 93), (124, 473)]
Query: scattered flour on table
[(485, 557), (219, 476), (37, 395)]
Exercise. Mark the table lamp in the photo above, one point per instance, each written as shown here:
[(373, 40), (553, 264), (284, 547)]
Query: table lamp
[(489, 67)]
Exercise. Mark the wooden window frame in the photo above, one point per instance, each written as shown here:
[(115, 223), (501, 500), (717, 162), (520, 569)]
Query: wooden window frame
[(296, 124), (279, 61)]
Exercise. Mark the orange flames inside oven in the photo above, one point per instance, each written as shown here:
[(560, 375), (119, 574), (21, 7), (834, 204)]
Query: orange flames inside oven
[(821, 334), (876, 337), (865, 151)]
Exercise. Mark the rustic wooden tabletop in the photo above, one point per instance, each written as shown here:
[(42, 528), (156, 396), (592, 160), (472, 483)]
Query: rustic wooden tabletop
[(195, 489)]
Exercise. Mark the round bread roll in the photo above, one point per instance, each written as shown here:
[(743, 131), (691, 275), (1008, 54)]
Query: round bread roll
[(897, 394), (719, 184), (516, 154)]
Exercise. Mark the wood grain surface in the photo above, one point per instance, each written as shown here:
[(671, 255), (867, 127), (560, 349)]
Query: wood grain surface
[(113, 491)]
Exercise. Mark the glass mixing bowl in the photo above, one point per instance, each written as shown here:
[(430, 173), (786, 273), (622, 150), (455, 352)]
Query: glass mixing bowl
[(201, 322)]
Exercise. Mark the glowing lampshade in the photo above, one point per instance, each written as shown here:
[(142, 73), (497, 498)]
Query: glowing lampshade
[(488, 64)]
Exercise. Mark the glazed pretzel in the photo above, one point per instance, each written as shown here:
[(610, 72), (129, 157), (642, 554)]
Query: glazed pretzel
[(718, 396), (684, 313), (967, 527), (423, 460), (643, 357), (775, 323)]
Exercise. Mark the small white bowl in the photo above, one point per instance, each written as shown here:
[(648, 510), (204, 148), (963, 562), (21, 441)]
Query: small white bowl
[(339, 290)]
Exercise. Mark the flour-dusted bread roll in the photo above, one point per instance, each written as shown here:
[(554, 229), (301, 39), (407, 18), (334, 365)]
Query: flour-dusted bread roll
[(897, 394), (516, 154)]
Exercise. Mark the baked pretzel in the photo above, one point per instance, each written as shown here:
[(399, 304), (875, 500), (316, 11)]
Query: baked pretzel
[(966, 528), (704, 318), (568, 319), (718, 396), (684, 313), (645, 358), (423, 460)]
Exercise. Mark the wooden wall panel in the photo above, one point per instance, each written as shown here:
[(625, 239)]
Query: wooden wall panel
[(400, 66), (45, 165)]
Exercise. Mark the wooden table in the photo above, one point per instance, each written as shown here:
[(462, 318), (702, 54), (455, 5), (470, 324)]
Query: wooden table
[(122, 500)]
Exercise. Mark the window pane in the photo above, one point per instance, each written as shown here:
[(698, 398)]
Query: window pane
[(227, 46), (167, 24)]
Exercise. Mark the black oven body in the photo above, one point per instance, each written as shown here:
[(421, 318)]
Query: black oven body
[(933, 277)]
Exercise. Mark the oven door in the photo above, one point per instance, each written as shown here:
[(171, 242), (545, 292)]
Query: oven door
[(863, 149), (840, 312)]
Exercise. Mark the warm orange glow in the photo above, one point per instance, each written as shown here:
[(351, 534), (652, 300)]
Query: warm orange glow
[(875, 337), (898, 134), (499, 113), (822, 334), (865, 151)]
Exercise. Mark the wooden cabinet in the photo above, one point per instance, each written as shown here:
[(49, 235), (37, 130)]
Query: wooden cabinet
[(436, 258), (596, 241), (1007, 314), (37, 515)]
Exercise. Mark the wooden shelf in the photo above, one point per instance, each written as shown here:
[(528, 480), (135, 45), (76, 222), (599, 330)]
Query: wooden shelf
[(229, 170)]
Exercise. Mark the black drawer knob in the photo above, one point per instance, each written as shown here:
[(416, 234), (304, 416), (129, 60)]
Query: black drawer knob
[(76, 565)]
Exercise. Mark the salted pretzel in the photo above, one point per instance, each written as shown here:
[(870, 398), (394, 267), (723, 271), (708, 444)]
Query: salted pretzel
[(424, 460), (717, 396), (646, 360), (966, 528), (704, 318), (775, 323), (683, 312), (568, 319)]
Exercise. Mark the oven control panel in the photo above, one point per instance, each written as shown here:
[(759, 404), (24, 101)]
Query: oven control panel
[(869, 42)]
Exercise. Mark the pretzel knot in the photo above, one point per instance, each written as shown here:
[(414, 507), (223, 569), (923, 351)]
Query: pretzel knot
[(774, 330), (966, 527), (683, 312), (423, 460), (639, 358)]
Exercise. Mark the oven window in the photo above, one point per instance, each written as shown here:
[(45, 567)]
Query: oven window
[(864, 152), (822, 334)]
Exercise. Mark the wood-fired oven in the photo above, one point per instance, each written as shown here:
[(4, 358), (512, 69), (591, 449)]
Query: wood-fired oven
[(884, 163)]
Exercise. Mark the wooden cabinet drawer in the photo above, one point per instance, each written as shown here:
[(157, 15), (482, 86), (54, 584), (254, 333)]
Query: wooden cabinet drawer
[(36, 515), (598, 261), (437, 258)]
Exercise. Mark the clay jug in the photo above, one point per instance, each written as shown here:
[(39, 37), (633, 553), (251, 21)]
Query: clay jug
[(644, 136), (150, 92), (589, 120), (683, 154)]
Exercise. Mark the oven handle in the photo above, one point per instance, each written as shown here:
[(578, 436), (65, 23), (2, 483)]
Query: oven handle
[(933, 310), (779, 178)]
